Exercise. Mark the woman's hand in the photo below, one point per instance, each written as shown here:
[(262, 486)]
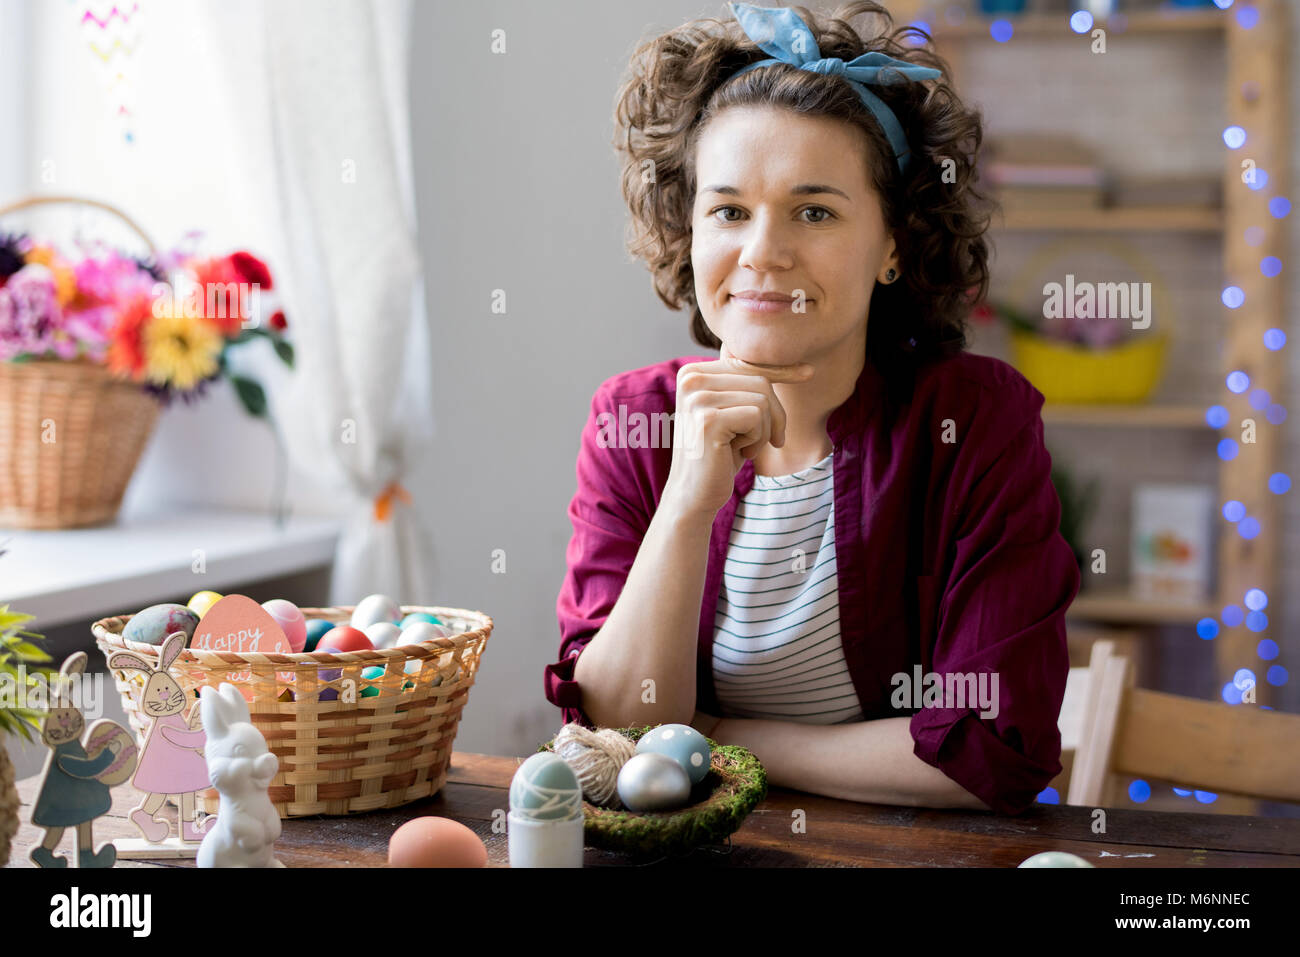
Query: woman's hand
[(727, 411)]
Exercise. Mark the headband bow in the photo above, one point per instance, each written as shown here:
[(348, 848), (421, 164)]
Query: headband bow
[(780, 32)]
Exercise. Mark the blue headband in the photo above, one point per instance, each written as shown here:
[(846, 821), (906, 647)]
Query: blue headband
[(780, 32)]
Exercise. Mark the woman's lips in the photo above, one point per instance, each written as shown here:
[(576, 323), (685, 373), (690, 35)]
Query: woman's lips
[(765, 305)]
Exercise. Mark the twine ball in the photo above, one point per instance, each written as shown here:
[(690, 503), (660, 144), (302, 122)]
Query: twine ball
[(596, 758)]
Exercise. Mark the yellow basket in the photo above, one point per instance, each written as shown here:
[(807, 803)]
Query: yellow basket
[(381, 750), (1071, 373)]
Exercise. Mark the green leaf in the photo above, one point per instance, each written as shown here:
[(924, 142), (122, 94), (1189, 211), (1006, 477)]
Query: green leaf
[(285, 351), (251, 395), (29, 652)]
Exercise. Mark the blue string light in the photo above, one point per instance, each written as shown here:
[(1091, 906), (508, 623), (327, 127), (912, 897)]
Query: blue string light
[(1232, 615), (1267, 649), (1257, 621), (1207, 629), (1048, 796), (1206, 797), (1248, 527), (1276, 675), (1227, 449), (1247, 17), (1231, 693), (1279, 207), (1274, 339), (1234, 511), (1216, 416), (1139, 792), (1276, 414), (1234, 137), (1259, 399), (1243, 679), (1270, 266), (1081, 21), (1183, 792), (1279, 483), (1237, 382), (1256, 599), (1001, 30), (1233, 297), (1259, 180)]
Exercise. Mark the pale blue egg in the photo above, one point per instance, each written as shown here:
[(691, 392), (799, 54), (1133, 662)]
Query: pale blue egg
[(683, 744), (420, 616), (155, 623), (545, 788)]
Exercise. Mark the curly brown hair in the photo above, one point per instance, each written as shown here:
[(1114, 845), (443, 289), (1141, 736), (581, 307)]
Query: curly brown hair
[(676, 83)]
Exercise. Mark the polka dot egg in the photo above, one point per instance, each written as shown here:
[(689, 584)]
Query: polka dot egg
[(683, 744)]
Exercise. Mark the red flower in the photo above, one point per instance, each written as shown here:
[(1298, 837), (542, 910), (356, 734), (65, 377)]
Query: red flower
[(278, 322), (220, 304), (251, 270), (125, 345)]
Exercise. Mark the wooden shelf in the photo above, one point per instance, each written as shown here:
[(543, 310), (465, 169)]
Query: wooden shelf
[(1136, 416), (1118, 604), (1190, 219), (1057, 26)]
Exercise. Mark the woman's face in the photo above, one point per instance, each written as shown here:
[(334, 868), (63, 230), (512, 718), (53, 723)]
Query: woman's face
[(784, 204)]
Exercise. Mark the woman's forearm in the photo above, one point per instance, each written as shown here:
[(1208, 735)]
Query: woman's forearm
[(652, 631), (870, 761)]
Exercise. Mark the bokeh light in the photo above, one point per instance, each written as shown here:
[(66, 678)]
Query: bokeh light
[(1234, 511), (1276, 414), (1244, 678), (1276, 675), (1231, 693), (1232, 615), (1207, 628), (1267, 649), (1257, 621), (1256, 599), (1248, 527), (1234, 137), (1227, 449), (1048, 796), (1258, 180), (1279, 483), (1206, 797), (1233, 297), (1279, 207), (1274, 339), (1254, 235), (1216, 416), (1259, 399), (1001, 30), (1139, 792), (1081, 21), (1270, 266), (1238, 382)]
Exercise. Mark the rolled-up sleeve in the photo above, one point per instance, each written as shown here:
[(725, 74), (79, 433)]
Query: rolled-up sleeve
[(1003, 613), (610, 519)]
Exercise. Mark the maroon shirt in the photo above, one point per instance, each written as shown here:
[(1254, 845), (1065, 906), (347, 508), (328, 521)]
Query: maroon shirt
[(947, 544)]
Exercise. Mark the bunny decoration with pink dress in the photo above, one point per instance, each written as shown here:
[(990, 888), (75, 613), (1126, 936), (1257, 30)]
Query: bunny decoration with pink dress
[(171, 762)]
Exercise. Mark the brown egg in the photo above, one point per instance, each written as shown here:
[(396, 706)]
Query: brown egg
[(435, 842)]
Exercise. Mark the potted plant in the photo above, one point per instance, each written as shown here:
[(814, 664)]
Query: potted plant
[(21, 663)]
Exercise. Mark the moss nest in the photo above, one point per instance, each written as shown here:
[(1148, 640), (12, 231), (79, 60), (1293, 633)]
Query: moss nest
[(736, 782)]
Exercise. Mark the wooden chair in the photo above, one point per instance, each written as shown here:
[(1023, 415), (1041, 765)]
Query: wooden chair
[(1235, 749)]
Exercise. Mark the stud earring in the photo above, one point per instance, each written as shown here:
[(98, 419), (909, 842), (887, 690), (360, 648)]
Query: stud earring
[(891, 276)]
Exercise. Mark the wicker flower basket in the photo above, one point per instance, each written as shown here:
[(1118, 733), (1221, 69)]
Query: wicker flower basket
[(71, 433), (388, 747)]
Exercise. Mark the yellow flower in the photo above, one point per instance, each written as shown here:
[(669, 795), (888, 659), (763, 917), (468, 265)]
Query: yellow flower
[(180, 352), (65, 279)]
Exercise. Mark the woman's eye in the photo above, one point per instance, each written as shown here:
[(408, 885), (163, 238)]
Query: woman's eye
[(720, 209), (818, 209), (826, 213)]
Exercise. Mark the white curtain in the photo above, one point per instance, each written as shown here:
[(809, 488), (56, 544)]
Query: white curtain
[(324, 124)]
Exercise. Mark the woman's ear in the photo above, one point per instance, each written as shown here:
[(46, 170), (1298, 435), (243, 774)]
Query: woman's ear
[(889, 264)]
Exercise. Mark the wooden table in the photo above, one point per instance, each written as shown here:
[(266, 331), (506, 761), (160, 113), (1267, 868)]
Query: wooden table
[(837, 833)]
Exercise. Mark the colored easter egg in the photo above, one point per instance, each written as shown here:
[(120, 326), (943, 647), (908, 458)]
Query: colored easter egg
[(683, 744), (290, 619), (201, 601), (105, 733), (420, 616), (330, 674), (653, 782), (435, 842), (1054, 859), (382, 634), (375, 608), (285, 695), (317, 628), (420, 631), (155, 623), (545, 788), (345, 638), (370, 674)]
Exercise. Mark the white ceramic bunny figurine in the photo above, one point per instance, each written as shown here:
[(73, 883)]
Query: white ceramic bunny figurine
[(241, 769)]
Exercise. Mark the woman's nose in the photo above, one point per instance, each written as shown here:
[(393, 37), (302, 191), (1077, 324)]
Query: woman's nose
[(765, 244)]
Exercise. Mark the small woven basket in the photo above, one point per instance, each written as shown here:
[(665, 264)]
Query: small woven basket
[(71, 433), (388, 747)]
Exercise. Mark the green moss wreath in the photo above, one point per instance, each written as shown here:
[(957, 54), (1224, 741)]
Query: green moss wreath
[(736, 782)]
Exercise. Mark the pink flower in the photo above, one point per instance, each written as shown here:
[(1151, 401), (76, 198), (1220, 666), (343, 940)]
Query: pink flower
[(29, 313)]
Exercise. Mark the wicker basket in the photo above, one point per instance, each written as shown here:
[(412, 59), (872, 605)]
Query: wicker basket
[(71, 433), (387, 748)]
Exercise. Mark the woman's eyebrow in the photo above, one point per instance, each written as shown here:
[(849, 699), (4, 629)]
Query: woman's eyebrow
[(803, 189)]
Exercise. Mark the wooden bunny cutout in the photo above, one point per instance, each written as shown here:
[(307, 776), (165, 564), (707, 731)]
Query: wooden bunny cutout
[(241, 769), (172, 759), (76, 781)]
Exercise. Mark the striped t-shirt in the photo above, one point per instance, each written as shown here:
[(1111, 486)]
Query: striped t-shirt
[(776, 644)]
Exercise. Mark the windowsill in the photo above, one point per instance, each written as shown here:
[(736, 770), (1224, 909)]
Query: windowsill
[(72, 575)]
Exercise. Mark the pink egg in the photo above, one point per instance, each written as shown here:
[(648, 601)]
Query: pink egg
[(290, 619)]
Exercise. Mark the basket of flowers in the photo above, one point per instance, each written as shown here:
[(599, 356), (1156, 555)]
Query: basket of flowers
[(94, 344)]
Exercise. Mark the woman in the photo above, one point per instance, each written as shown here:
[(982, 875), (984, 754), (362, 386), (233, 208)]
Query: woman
[(849, 560)]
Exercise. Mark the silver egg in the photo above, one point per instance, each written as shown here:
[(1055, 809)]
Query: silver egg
[(653, 782)]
